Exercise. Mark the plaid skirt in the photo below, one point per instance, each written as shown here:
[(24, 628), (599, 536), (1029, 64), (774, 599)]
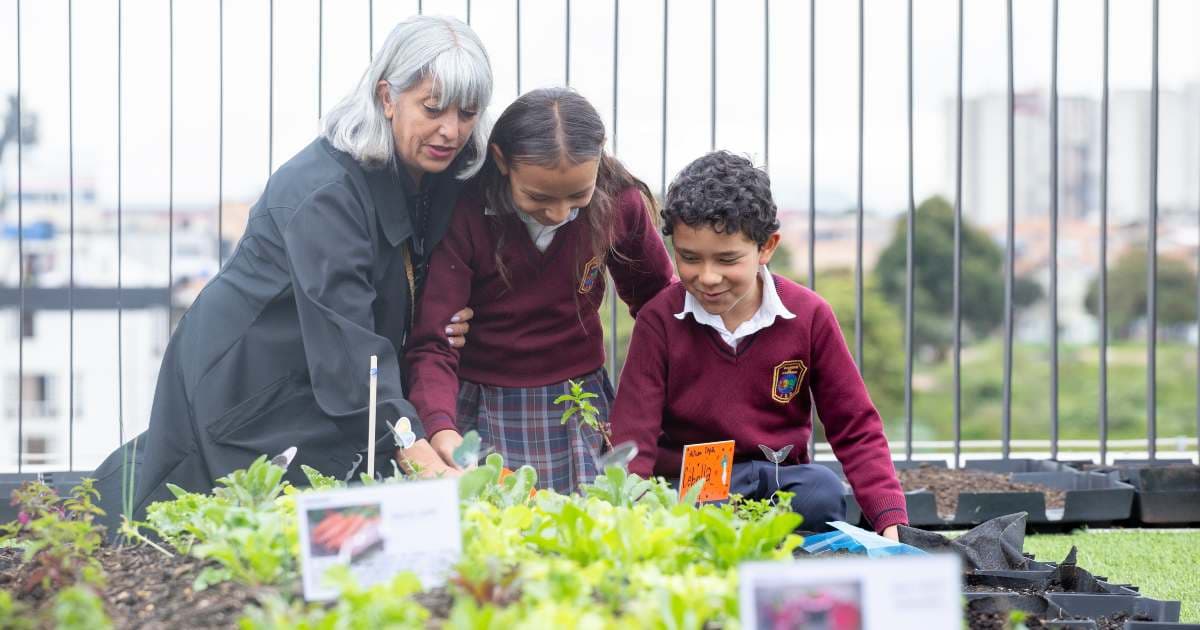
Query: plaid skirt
[(525, 426)]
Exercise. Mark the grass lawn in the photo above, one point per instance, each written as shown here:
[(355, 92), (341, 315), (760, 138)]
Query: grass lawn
[(1165, 564)]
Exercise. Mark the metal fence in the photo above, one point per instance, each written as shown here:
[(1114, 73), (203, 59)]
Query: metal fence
[(27, 298)]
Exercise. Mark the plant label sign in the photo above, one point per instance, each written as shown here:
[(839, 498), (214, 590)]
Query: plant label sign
[(856, 593), (712, 462), (378, 531)]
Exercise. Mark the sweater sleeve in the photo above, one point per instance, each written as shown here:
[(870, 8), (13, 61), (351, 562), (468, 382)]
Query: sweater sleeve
[(637, 412), (642, 266), (852, 424), (329, 258), (432, 362)]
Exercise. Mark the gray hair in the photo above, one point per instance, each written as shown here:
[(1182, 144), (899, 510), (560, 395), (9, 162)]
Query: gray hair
[(419, 47)]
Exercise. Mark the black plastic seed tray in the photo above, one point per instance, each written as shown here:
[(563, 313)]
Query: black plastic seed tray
[(62, 481), (1090, 498), (1167, 494), (922, 510), (1091, 606), (1022, 465)]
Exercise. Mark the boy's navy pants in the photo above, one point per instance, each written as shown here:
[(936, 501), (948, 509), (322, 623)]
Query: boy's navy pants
[(818, 491)]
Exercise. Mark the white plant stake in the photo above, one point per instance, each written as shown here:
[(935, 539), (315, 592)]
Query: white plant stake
[(371, 416), (775, 457)]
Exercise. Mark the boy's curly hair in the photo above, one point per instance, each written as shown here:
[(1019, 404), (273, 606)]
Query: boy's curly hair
[(725, 192)]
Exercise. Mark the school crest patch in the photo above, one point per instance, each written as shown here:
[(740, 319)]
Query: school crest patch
[(591, 272), (786, 384)]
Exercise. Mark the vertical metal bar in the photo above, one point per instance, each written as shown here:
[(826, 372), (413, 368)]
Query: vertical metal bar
[(468, 12), (662, 190), (612, 295), (371, 28), (1054, 232), (1152, 255), (320, 53), (270, 87), (812, 181), (858, 223), (518, 47), (910, 237), (567, 44), (71, 254), (170, 161), (20, 263), (1009, 256), (767, 85), (220, 126), (1104, 250), (120, 236), (812, 144), (420, 7), (712, 76), (958, 179)]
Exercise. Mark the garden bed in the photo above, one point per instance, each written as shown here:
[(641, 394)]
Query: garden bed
[(144, 589)]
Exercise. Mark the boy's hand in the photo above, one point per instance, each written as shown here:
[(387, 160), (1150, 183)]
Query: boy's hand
[(892, 533), (456, 330)]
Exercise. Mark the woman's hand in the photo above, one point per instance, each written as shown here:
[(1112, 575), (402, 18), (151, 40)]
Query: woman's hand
[(892, 533), (421, 456), (444, 443), (456, 330)]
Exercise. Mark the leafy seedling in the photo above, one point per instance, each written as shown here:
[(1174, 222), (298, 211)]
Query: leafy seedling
[(579, 404)]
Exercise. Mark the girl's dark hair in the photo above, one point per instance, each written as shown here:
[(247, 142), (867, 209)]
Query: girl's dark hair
[(543, 127)]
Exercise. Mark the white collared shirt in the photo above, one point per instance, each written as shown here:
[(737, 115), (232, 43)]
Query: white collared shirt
[(542, 235), (770, 308)]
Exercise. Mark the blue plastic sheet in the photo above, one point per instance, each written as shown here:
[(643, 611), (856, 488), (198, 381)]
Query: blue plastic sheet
[(857, 540)]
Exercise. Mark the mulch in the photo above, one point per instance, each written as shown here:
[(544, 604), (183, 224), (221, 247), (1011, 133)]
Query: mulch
[(946, 484), (145, 589)]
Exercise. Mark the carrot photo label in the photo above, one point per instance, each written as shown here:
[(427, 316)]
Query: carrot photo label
[(373, 530), (712, 462)]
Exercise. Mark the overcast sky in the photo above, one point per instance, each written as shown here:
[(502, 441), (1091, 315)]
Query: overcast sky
[(739, 78)]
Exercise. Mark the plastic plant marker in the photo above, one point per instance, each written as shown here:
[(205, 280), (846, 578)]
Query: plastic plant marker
[(619, 456), (403, 433), (284, 459), (776, 457), (708, 461), (372, 385), (467, 453)]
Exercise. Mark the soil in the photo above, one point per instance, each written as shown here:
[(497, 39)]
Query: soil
[(946, 484), (146, 589), (983, 620)]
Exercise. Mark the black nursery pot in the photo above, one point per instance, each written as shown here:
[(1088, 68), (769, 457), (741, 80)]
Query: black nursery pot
[(61, 480)]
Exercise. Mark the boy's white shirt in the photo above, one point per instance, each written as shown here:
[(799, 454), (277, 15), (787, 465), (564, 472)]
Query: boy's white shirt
[(770, 308), (542, 235)]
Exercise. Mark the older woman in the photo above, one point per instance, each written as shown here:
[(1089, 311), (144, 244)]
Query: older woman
[(275, 351)]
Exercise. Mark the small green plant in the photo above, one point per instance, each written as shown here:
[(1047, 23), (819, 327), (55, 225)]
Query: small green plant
[(80, 607), (58, 536), (128, 480), (385, 605), (579, 404), (14, 614), (247, 526), (1016, 620)]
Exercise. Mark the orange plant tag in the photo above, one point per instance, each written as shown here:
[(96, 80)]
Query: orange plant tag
[(712, 462)]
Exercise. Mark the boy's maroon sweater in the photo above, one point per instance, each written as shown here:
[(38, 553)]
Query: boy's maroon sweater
[(542, 325), (683, 385)]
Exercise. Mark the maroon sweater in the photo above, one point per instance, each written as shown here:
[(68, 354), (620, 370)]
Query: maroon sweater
[(683, 385), (543, 327)]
